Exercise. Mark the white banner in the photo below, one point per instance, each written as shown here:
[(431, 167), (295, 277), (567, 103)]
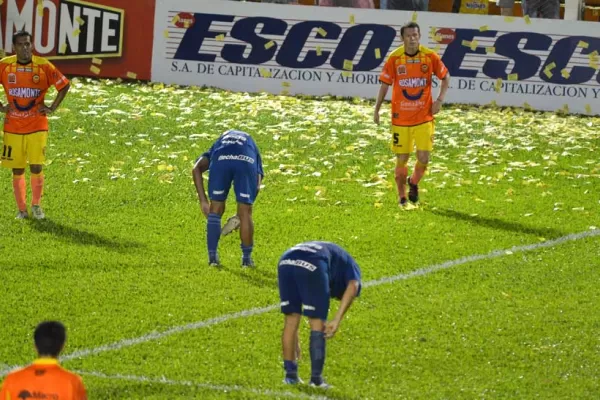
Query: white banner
[(545, 64)]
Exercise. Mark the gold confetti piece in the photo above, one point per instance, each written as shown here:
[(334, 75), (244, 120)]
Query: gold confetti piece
[(588, 109), (319, 51), (348, 65), (270, 44), (76, 32), (565, 73), (63, 48), (414, 16), (96, 61), (593, 54), (527, 20), (131, 75), (483, 28), (594, 65), (513, 77), (583, 45), (526, 106), (438, 38), (40, 9), (377, 53), (466, 43), (493, 103), (166, 33), (509, 19), (80, 21), (351, 19), (550, 66), (474, 44), (322, 32), (186, 24), (286, 84), (490, 50), (437, 48), (220, 37), (285, 92), (95, 69), (498, 85), (175, 19), (265, 73), (565, 108), (548, 73), (347, 74)]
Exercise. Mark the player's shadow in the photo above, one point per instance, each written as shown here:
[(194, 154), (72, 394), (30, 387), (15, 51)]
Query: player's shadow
[(81, 237), (258, 277), (325, 394), (497, 223)]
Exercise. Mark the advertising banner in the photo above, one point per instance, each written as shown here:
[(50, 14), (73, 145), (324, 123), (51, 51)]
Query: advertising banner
[(105, 38), (544, 64)]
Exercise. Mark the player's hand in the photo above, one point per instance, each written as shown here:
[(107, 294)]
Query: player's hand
[(436, 107), (5, 108), (45, 110), (376, 117), (205, 208), (331, 328), (298, 351)]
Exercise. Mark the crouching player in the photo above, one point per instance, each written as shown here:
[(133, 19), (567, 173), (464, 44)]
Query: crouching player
[(309, 274), (234, 157)]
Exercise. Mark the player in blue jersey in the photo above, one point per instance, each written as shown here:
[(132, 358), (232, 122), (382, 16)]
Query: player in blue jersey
[(234, 157), (309, 275)]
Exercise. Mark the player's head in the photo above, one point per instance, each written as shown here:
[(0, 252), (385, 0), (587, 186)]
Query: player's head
[(22, 45), (411, 35), (49, 337)]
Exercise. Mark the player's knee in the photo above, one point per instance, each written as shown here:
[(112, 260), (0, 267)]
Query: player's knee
[(402, 161), (217, 207), (35, 169), (18, 171)]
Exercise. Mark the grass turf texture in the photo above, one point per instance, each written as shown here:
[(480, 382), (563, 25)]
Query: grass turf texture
[(122, 252)]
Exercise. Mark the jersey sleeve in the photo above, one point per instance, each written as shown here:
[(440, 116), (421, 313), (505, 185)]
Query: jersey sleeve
[(4, 392), (388, 72), (80, 392), (439, 69), (259, 165), (55, 77), (3, 67)]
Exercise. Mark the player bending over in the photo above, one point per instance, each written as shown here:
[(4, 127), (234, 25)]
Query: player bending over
[(234, 157), (309, 275)]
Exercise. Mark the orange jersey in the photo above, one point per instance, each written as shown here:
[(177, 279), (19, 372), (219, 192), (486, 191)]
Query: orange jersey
[(25, 86), (44, 379), (410, 78)]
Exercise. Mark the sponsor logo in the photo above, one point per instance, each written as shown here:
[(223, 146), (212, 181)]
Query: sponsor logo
[(413, 82), (217, 192), (245, 195), (424, 68), (12, 78), (401, 70), (446, 35), (36, 79), (185, 20), (66, 28), (26, 394), (413, 61), (307, 307), (236, 157), (299, 263), (24, 93)]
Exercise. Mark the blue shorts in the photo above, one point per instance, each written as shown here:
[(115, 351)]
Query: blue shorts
[(243, 175), (303, 286)]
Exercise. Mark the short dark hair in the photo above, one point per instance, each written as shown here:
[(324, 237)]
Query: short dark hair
[(49, 337), (409, 25), (21, 34)]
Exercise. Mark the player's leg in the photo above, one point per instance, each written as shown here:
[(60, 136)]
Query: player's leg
[(291, 307), (314, 292), (424, 141), (402, 144), (13, 156), (219, 183), (36, 153), (245, 185)]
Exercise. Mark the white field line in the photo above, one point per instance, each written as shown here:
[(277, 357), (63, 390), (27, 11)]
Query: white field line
[(258, 311), (209, 386)]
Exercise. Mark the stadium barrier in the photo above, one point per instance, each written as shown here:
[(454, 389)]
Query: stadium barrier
[(104, 38), (543, 64)]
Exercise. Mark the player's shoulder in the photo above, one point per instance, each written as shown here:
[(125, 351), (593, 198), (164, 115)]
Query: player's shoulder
[(426, 51), (398, 52), (40, 61), (8, 60)]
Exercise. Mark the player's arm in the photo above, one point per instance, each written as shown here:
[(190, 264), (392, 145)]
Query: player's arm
[(350, 293), (62, 85), (197, 172), (383, 89), (387, 79)]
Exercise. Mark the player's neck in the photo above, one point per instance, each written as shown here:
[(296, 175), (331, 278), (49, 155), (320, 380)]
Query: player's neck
[(24, 61), (412, 53)]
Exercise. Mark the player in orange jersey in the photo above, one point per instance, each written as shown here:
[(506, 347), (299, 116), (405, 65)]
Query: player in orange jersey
[(26, 79), (45, 378), (409, 69)]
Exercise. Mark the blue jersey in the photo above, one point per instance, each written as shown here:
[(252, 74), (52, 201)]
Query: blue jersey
[(340, 266), (235, 146)]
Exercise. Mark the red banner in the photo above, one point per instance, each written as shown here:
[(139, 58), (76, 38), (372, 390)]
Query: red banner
[(104, 38)]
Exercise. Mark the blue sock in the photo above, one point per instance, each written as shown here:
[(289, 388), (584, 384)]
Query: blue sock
[(317, 356), (246, 252), (291, 369), (213, 234)]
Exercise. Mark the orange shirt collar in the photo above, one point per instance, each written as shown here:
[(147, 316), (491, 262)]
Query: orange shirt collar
[(46, 361)]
